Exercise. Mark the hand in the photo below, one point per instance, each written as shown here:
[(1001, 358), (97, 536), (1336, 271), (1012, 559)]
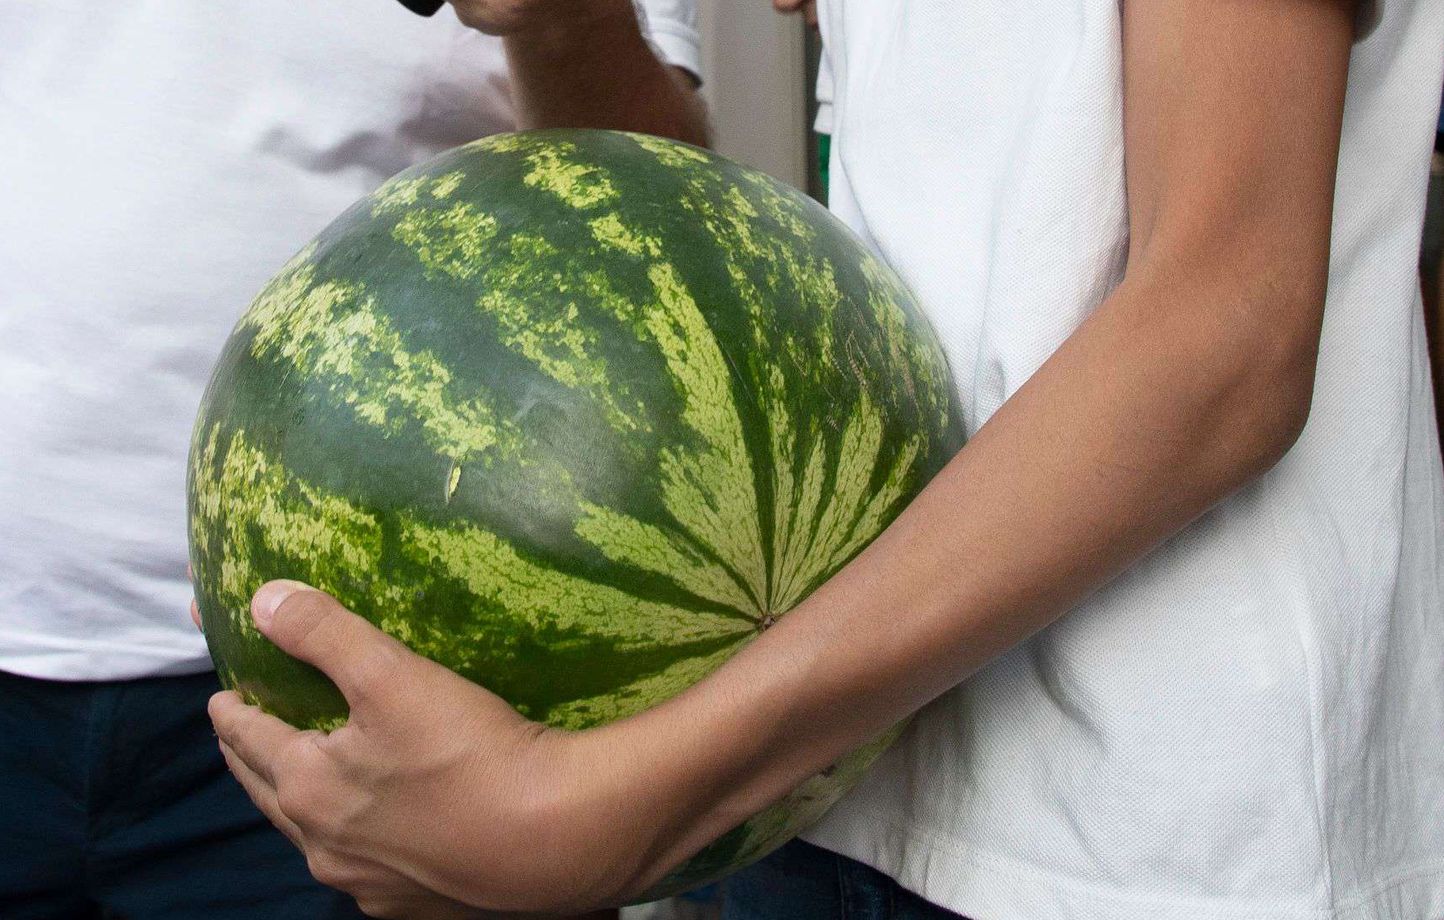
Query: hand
[(436, 799), (808, 9), (510, 17)]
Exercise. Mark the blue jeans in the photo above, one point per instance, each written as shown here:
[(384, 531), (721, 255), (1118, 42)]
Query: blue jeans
[(805, 882), (116, 804)]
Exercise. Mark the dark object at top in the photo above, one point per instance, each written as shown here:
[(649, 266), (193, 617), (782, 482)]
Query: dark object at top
[(423, 7)]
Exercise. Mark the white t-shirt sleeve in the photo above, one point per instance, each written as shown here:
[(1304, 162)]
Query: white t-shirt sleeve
[(671, 25), (822, 124)]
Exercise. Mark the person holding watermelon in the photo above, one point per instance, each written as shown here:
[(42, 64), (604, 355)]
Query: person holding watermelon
[(1170, 622), (158, 159)]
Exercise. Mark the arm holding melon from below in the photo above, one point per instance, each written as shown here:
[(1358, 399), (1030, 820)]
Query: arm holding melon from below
[(1192, 378), (586, 64)]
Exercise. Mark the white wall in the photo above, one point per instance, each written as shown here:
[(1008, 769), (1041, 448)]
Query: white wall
[(754, 80)]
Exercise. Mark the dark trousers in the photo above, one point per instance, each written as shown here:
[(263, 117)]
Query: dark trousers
[(805, 882), (115, 803)]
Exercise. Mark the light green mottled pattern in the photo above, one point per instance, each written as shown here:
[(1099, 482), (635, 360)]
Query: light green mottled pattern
[(547, 599), (538, 317), (643, 693), (214, 485), (331, 331), (797, 563), (249, 496), (880, 507), (711, 492), (783, 267), (446, 186), (853, 512), (670, 153), (400, 192), (917, 360), (559, 345), (645, 546), (857, 457), (796, 507), (610, 231), (783, 209), (503, 143), (248, 499), (451, 240), (403, 191), (579, 184), (708, 487), (805, 546)]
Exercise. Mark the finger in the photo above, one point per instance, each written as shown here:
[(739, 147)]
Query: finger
[(263, 794), (313, 626), (426, 905), (261, 741), (196, 616)]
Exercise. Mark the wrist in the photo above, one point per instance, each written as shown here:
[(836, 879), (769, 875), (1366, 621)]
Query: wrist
[(598, 807), (720, 752)]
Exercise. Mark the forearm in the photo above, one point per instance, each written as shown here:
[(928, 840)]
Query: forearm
[(1134, 428), (599, 71), (1193, 377)]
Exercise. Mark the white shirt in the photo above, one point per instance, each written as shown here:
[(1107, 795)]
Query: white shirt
[(1249, 724), (159, 159)]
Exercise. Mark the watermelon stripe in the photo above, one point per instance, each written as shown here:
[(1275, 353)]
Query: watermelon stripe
[(643, 693), (334, 332), (578, 184), (495, 572), (636, 543)]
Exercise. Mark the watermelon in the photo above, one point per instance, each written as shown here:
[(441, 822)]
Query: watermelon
[(577, 414)]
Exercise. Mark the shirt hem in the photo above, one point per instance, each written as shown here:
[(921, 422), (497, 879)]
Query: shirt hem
[(985, 886), (111, 663)]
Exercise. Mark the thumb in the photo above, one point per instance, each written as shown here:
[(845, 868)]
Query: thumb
[(308, 624)]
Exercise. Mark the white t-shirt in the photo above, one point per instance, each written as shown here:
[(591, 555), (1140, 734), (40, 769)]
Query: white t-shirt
[(1250, 722), (158, 161)]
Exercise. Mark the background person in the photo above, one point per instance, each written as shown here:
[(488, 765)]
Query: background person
[(160, 161)]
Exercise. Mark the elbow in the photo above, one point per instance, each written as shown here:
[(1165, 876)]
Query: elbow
[(1268, 389), (1237, 310), (1277, 419)]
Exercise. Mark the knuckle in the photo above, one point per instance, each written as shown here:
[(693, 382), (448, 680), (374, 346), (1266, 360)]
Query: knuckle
[(328, 870), (380, 908), (308, 794), (307, 617), (379, 671), (300, 800)]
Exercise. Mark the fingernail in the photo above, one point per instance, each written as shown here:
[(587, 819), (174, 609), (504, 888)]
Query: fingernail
[(270, 597)]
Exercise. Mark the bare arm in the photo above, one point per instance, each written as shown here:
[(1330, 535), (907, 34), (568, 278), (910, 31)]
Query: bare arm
[(1190, 380), (586, 64)]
